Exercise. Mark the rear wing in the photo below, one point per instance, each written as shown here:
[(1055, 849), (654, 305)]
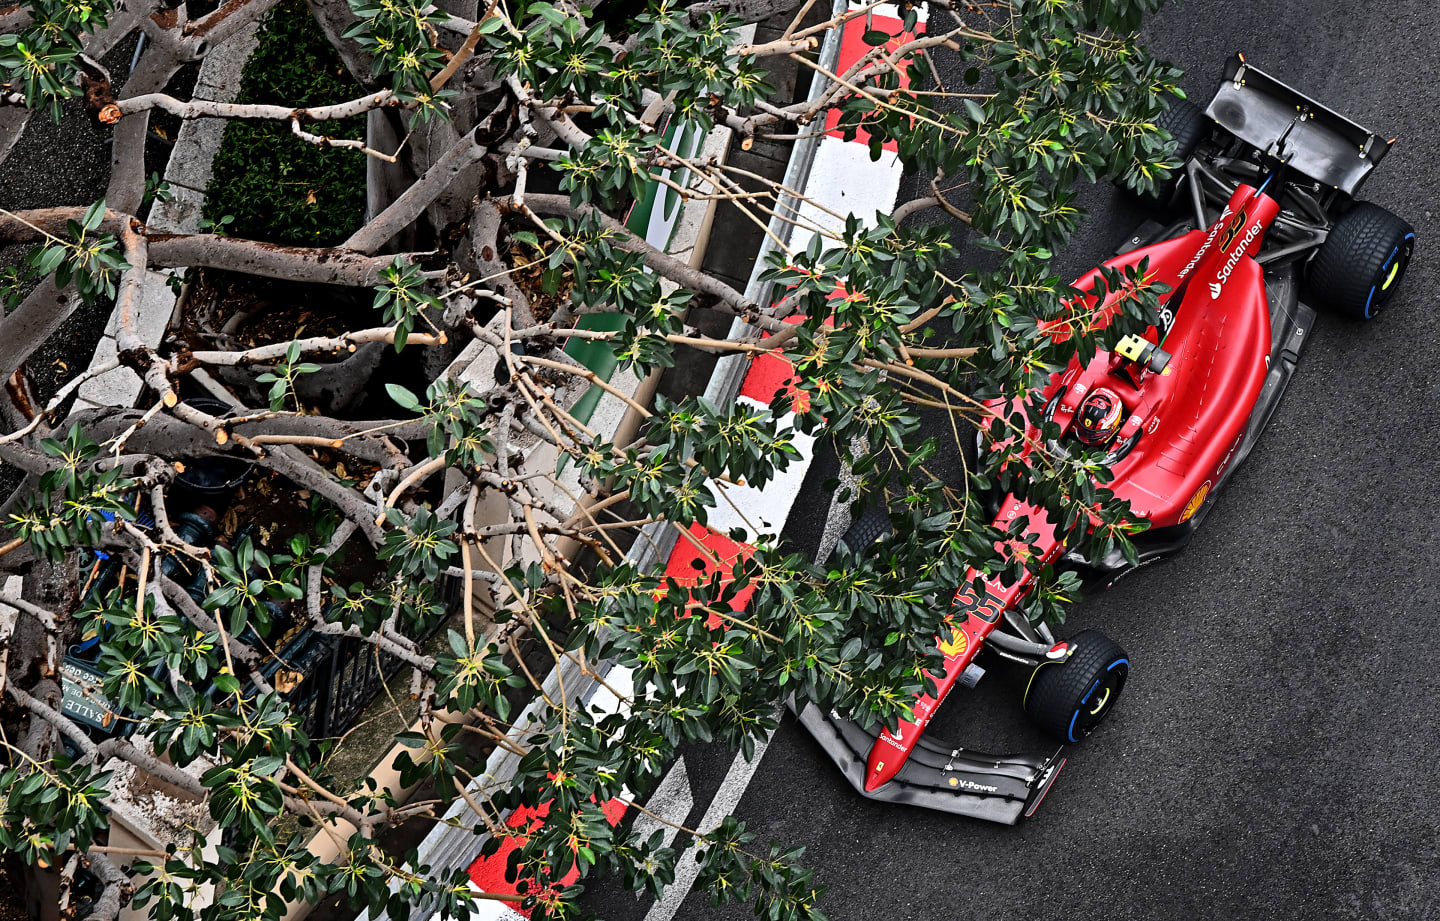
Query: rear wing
[(1325, 145)]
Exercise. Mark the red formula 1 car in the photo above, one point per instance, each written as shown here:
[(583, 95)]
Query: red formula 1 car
[(1271, 178)]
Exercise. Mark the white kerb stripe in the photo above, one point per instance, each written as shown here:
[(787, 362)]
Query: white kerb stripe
[(671, 801), (724, 803), (845, 180), (622, 679), (768, 509)]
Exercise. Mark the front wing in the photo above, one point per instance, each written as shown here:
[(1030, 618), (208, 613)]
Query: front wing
[(997, 788)]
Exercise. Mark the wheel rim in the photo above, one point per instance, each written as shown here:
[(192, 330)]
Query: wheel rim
[(1389, 276), (1099, 700)]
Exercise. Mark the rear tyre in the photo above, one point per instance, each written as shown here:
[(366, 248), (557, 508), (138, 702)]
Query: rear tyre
[(867, 529), (1189, 126), (1359, 266), (1069, 697)]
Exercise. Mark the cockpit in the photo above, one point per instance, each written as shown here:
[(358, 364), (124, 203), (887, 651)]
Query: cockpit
[(1104, 405)]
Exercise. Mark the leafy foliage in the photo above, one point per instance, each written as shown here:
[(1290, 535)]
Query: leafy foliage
[(41, 61), (399, 35), (276, 186), (419, 543), (92, 260), (883, 328), (282, 379), (77, 499), (50, 809), (455, 413), (404, 299)]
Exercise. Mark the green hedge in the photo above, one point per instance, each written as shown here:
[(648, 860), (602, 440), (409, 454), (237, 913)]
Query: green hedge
[(278, 187)]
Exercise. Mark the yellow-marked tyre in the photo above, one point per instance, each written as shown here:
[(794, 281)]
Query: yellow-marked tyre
[(1069, 697), (1361, 263)]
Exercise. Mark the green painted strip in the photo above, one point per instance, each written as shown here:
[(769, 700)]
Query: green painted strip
[(597, 356), (653, 218), (658, 198)]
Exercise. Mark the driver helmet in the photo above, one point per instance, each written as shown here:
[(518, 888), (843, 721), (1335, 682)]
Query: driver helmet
[(1099, 416)]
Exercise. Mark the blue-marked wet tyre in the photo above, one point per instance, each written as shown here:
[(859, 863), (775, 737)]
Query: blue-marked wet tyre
[(1069, 697), (1361, 263)]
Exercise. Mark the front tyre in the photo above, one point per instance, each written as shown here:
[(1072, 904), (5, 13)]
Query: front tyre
[(1069, 696), (1359, 266)]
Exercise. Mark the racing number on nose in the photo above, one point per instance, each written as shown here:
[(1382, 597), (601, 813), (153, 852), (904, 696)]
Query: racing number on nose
[(988, 607)]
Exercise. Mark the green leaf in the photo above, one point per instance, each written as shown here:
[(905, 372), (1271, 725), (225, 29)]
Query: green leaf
[(226, 683), (94, 215), (404, 398)]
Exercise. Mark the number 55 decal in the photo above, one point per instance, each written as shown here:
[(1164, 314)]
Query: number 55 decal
[(988, 607)]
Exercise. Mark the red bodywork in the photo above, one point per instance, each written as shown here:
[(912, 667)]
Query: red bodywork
[(1190, 419)]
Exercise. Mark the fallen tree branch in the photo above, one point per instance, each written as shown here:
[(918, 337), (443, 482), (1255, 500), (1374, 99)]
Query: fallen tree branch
[(678, 271), (204, 108), (323, 265)]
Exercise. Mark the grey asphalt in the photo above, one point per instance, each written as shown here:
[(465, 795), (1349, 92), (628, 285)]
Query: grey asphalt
[(1275, 752)]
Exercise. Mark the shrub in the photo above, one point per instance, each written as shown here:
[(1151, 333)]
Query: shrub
[(278, 187)]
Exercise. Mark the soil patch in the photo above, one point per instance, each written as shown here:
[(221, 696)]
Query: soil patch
[(547, 289), (242, 311), (277, 510), (12, 887)]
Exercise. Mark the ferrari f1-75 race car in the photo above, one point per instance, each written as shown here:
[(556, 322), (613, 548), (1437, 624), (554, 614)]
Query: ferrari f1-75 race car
[(1268, 188)]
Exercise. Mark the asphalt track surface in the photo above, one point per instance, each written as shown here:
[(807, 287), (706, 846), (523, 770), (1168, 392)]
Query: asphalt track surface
[(1275, 752)]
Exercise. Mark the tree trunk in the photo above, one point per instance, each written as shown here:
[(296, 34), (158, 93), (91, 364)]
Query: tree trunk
[(34, 657), (334, 17), (31, 324)]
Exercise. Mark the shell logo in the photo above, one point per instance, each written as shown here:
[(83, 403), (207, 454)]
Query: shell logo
[(1196, 501), (957, 644)]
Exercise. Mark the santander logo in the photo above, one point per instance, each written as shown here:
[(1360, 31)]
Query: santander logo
[(1209, 238), (1224, 274)]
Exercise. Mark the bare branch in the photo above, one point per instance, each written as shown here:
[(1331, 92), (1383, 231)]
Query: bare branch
[(47, 619), (409, 206), (228, 19), (118, 888), (682, 273), (337, 345), (126, 750), (204, 108), (383, 643), (62, 723), (321, 265), (329, 266)]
